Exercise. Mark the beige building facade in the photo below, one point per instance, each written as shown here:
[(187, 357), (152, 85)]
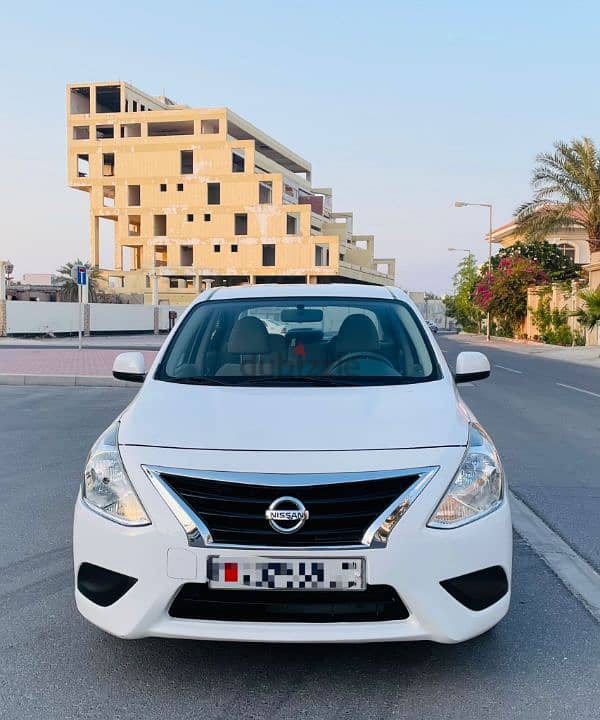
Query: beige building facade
[(182, 199)]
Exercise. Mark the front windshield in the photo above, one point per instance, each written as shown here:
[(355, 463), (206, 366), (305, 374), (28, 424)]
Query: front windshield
[(296, 341)]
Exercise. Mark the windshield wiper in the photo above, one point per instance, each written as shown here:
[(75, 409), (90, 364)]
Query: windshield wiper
[(195, 380), (299, 380)]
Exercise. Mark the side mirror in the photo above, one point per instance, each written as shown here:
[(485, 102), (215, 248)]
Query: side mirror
[(471, 366), (129, 366)]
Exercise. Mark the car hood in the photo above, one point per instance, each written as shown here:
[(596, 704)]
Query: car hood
[(292, 418)]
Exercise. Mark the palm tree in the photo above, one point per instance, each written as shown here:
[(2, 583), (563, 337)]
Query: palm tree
[(69, 290), (566, 186), (590, 315)]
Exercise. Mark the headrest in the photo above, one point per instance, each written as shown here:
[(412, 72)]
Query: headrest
[(249, 336), (357, 334)]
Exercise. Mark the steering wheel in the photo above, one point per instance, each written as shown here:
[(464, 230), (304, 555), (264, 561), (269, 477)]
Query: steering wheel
[(363, 355)]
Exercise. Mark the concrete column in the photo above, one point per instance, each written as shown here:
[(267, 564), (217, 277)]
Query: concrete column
[(2, 318), (252, 279), (156, 320)]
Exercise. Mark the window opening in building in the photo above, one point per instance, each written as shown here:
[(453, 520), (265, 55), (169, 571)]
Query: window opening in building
[(80, 101), (81, 132), (241, 224), (179, 187), (105, 132), (163, 187), (214, 193), (160, 256), (134, 224), (108, 99), (133, 195), (83, 165), (190, 217), (176, 127), (209, 127), (238, 161), (186, 256), (108, 164), (322, 255), (160, 225), (293, 224), (186, 162), (129, 130), (265, 192), (217, 248), (268, 255), (108, 196)]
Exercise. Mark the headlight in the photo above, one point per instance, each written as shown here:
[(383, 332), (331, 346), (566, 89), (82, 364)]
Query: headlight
[(106, 487), (477, 488)]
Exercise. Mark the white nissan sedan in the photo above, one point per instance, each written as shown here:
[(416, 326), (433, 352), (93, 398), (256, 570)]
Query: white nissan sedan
[(321, 483)]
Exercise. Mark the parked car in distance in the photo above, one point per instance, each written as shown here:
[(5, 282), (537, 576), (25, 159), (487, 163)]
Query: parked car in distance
[(432, 326), (313, 479)]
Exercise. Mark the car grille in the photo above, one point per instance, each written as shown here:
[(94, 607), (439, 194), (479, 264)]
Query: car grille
[(339, 512), (196, 601)]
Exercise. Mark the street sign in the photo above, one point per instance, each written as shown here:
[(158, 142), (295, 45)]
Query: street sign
[(79, 274)]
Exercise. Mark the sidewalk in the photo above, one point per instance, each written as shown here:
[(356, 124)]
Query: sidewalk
[(125, 342), (49, 366), (579, 355)]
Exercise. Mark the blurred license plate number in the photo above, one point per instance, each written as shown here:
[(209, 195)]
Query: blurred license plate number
[(267, 573)]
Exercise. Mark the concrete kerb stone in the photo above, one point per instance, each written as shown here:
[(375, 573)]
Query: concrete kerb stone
[(65, 380)]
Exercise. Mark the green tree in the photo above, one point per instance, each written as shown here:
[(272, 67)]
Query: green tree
[(590, 314), (504, 293), (566, 185), (69, 290), (557, 266), (460, 306)]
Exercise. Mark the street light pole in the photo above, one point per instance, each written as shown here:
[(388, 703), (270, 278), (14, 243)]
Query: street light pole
[(460, 204)]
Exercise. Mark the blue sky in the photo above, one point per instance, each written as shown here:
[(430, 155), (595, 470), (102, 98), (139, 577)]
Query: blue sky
[(401, 107)]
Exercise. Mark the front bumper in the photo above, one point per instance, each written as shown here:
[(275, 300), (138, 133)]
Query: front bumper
[(414, 562)]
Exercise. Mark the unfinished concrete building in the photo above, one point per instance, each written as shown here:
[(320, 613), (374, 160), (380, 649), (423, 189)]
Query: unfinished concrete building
[(200, 197)]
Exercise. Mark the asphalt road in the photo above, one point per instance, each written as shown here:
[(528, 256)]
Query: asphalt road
[(548, 435), (540, 662)]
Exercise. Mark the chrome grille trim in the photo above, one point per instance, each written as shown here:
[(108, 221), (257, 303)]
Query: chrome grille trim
[(375, 536)]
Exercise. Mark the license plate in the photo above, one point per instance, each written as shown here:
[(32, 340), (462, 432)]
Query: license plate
[(268, 573)]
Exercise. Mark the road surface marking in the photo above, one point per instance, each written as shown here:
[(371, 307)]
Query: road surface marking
[(503, 367), (575, 572), (581, 390)]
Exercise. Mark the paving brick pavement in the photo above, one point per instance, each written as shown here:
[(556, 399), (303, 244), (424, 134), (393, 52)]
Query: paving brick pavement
[(50, 361)]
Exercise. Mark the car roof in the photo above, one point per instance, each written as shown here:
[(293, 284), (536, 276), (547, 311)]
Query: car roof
[(336, 290)]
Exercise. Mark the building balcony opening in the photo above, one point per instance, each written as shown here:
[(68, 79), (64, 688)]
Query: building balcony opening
[(108, 196), (105, 132), (213, 193), (80, 101), (160, 225), (83, 165), (81, 132), (268, 255), (209, 127), (160, 256), (238, 161), (265, 192), (175, 127), (134, 225), (133, 195), (108, 164), (186, 255), (186, 162), (129, 130), (108, 98), (241, 224)]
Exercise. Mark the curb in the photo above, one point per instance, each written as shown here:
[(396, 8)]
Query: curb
[(65, 380)]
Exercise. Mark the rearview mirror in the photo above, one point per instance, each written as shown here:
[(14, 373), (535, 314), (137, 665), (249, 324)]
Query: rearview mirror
[(301, 315), (471, 366), (130, 366)]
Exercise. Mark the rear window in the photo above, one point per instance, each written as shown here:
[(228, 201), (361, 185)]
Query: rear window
[(297, 341)]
